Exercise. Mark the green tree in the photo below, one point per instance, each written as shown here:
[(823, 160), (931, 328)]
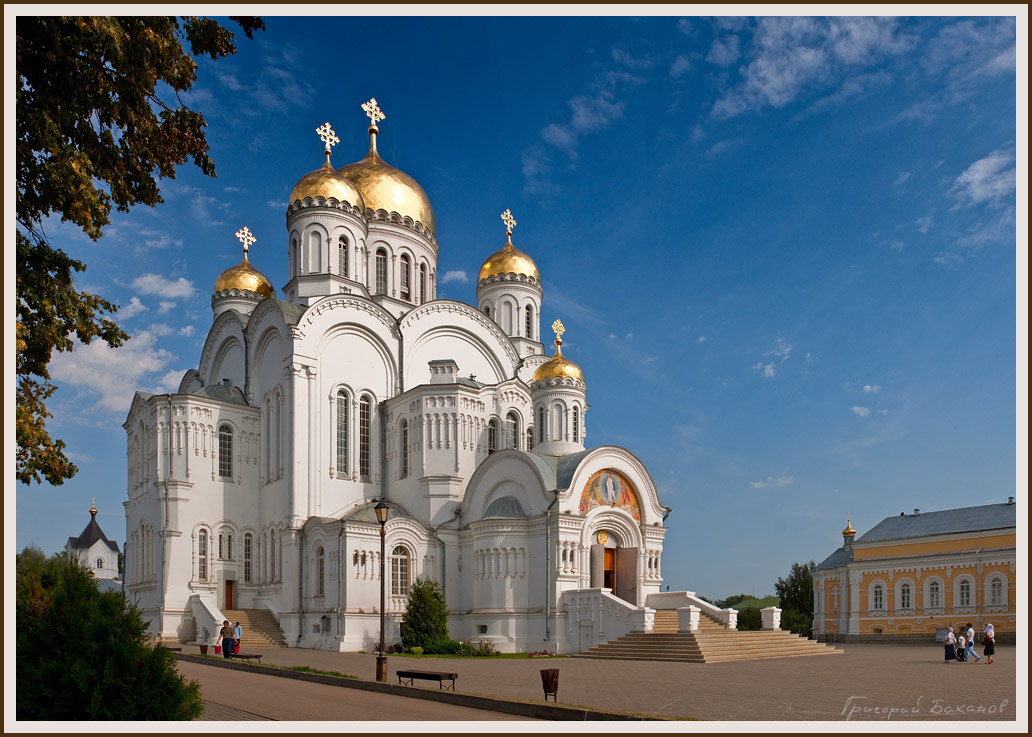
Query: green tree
[(84, 655), (426, 616), (796, 595), (92, 134)]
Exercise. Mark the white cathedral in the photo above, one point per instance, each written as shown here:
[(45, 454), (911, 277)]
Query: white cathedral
[(254, 486)]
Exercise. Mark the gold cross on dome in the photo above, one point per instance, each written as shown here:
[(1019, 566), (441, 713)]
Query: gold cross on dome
[(509, 222), (558, 329), (327, 135), (372, 110), (245, 237)]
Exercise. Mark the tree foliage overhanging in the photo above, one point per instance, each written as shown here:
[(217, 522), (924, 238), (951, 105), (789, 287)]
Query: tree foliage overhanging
[(92, 134), (84, 655)]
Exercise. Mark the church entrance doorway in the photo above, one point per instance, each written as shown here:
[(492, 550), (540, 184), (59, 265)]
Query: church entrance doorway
[(229, 595), (614, 567), (609, 569)]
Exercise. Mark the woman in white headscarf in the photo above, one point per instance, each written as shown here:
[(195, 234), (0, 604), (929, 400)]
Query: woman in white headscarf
[(950, 641), (989, 641)]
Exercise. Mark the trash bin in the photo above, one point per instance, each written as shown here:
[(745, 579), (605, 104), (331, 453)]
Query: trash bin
[(204, 649), (550, 682)]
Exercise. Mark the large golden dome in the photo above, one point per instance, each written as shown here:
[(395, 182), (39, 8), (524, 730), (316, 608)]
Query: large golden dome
[(558, 366), (245, 278), (385, 188), (509, 260), (328, 183)]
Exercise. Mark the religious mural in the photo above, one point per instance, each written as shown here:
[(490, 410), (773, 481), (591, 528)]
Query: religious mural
[(608, 488)]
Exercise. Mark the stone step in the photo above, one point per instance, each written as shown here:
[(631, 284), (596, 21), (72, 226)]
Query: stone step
[(261, 628)]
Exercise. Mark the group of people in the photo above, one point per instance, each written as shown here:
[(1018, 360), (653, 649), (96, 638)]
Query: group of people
[(230, 637), (962, 647)]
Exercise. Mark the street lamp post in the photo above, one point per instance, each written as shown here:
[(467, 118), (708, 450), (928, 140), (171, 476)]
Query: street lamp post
[(381, 509)]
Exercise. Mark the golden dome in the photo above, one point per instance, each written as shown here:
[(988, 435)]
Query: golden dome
[(328, 183), (558, 366), (509, 260), (849, 528), (244, 277), (385, 188)]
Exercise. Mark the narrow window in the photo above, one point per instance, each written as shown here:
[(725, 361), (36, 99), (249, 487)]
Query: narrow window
[(381, 272), (403, 440), (320, 571), (225, 452), (221, 539), (511, 430), (528, 328), (530, 438), (487, 310), (248, 549), (342, 256), (342, 433), (272, 555), (904, 596), (878, 597), (295, 250), (933, 595), (965, 593), (996, 592), (576, 424), (202, 555), (406, 267), (492, 436), (422, 283), (229, 546), (100, 563), (400, 572), (541, 424), (364, 410)]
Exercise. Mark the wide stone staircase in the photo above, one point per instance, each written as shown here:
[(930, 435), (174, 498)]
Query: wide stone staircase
[(712, 643), (260, 628)]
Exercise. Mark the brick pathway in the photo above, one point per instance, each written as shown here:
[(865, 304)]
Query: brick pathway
[(866, 682)]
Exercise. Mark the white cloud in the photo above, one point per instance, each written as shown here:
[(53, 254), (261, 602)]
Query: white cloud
[(901, 179), (562, 138), (457, 275), (883, 412), (622, 57), (277, 204), (702, 339), (170, 382), (165, 306), (987, 180), (861, 411), (680, 66), (163, 287), (871, 388), (188, 330), (724, 51), (110, 375), (134, 308), (685, 27), (924, 223), (766, 370), (772, 481), (161, 329)]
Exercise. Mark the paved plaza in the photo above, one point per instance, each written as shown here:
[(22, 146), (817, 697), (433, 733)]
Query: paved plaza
[(865, 682)]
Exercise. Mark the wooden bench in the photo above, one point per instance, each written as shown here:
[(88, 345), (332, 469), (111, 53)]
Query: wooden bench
[(426, 675), (247, 657)]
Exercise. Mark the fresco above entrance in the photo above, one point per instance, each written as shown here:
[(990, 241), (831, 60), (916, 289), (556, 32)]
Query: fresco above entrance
[(608, 488)]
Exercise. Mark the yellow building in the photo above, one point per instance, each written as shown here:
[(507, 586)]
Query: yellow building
[(911, 576)]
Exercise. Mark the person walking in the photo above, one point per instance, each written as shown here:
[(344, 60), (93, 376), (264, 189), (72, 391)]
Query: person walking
[(989, 642), (969, 638), (238, 635), (226, 635), (961, 651), (950, 643)]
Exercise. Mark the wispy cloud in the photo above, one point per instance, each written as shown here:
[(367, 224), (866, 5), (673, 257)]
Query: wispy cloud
[(871, 388), (772, 481), (134, 308), (456, 275), (861, 411), (724, 51), (163, 287), (989, 180)]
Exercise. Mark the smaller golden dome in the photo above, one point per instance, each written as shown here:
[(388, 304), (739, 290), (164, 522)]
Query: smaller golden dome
[(509, 260), (245, 278), (558, 366), (327, 182), (849, 528)]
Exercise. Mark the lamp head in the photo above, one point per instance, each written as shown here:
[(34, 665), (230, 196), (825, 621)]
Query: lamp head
[(381, 510)]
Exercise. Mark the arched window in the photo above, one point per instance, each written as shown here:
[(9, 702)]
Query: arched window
[(964, 593), (315, 253), (995, 591), (877, 597), (576, 424), (342, 256), (530, 438), (541, 424), (422, 283), (400, 571), (226, 452), (320, 571), (342, 433), (229, 545), (512, 429), (487, 310), (222, 538), (272, 555), (904, 596), (365, 408), (403, 441), (295, 252), (492, 436), (528, 327), (100, 563), (248, 551), (934, 595), (381, 272), (202, 555), (406, 277)]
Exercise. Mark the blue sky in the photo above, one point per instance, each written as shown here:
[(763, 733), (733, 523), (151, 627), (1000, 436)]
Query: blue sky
[(784, 249)]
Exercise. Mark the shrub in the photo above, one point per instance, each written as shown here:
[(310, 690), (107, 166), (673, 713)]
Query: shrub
[(417, 650), (750, 619), (426, 616), (84, 655)]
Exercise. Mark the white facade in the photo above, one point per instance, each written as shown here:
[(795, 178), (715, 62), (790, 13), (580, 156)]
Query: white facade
[(253, 485)]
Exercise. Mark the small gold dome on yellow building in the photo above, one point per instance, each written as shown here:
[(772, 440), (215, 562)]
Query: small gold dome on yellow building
[(849, 528), (328, 183), (243, 277), (509, 260), (384, 187), (558, 366)]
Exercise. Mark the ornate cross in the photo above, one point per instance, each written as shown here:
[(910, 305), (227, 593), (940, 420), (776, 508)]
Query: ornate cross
[(558, 329), (245, 237), (327, 135), (509, 222), (372, 110)]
